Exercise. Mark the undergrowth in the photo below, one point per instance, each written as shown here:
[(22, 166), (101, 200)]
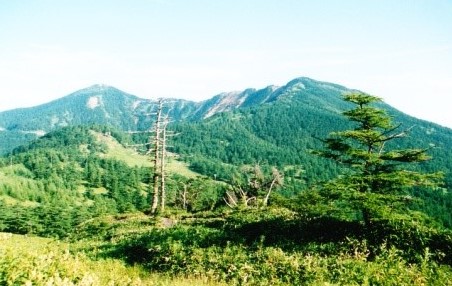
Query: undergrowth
[(38, 261), (271, 247)]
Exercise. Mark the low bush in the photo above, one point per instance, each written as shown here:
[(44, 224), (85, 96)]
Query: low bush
[(222, 255), (38, 261)]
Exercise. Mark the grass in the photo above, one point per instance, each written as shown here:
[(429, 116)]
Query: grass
[(40, 261), (16, 185), (205, 249), (117, 151), (231, 248), (177, 167)]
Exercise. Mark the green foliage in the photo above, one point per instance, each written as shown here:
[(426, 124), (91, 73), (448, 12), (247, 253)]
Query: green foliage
[(49, 220), (194, 194), (216, 145), (271, 247), (274, 246), (36, 261), (377, 180), (10, 139), (253, 185), (63, 173), (70, 184)]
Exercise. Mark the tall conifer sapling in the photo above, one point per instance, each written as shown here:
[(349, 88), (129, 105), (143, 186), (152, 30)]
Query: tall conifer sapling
[(377, 179)]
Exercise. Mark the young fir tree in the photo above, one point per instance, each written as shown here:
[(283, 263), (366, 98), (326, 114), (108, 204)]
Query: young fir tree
[(377, 180)]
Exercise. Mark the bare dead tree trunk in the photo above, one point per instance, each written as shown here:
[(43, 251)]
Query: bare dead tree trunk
[(267, 196), (156, 159), (231, 200), (277, 180), (162, 167), (244, 197), (184, 197)]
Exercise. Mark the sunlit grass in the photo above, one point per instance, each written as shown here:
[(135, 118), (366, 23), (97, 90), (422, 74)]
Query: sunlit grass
[(40, 261), (133, 158), (15, 188), (129, 249), (181, 168)]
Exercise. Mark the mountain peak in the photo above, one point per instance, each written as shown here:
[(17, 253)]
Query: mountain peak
[(101, 90), (98, 87)]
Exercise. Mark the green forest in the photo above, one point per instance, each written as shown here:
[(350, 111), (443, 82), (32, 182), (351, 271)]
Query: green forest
[(258, 196)]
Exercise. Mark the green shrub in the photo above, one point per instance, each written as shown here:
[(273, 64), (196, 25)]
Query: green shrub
[(203, 251), (38, 261)]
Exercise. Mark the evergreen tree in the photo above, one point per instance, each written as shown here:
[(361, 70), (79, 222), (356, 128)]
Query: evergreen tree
[(378, 175)]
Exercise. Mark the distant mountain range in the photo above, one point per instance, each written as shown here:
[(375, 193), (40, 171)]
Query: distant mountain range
[(106, 105), (102, 104)]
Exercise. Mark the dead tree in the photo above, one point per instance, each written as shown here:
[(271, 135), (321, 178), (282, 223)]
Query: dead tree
[(255, 188), (162, 163), (156, 145), (184, 197), (276, 180), (160, 144), (156, 159)]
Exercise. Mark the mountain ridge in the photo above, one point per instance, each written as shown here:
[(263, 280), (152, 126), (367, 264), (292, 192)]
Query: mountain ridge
[(221, 102), (107, 105)]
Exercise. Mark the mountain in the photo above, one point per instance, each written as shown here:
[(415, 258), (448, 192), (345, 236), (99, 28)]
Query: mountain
[(105, 105), (274, 126), (311, 106), (97, 104), (285, 124)]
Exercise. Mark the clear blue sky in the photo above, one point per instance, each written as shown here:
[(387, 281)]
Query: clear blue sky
[(193, 49)]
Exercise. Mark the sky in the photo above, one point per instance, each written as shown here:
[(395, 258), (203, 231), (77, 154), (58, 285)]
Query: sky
[(194, 49)]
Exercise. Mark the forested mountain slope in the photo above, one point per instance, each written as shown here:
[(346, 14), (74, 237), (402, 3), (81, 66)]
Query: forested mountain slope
[(275, 126), (75, 173), (283, 131), (105, 105), (98, 104)]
